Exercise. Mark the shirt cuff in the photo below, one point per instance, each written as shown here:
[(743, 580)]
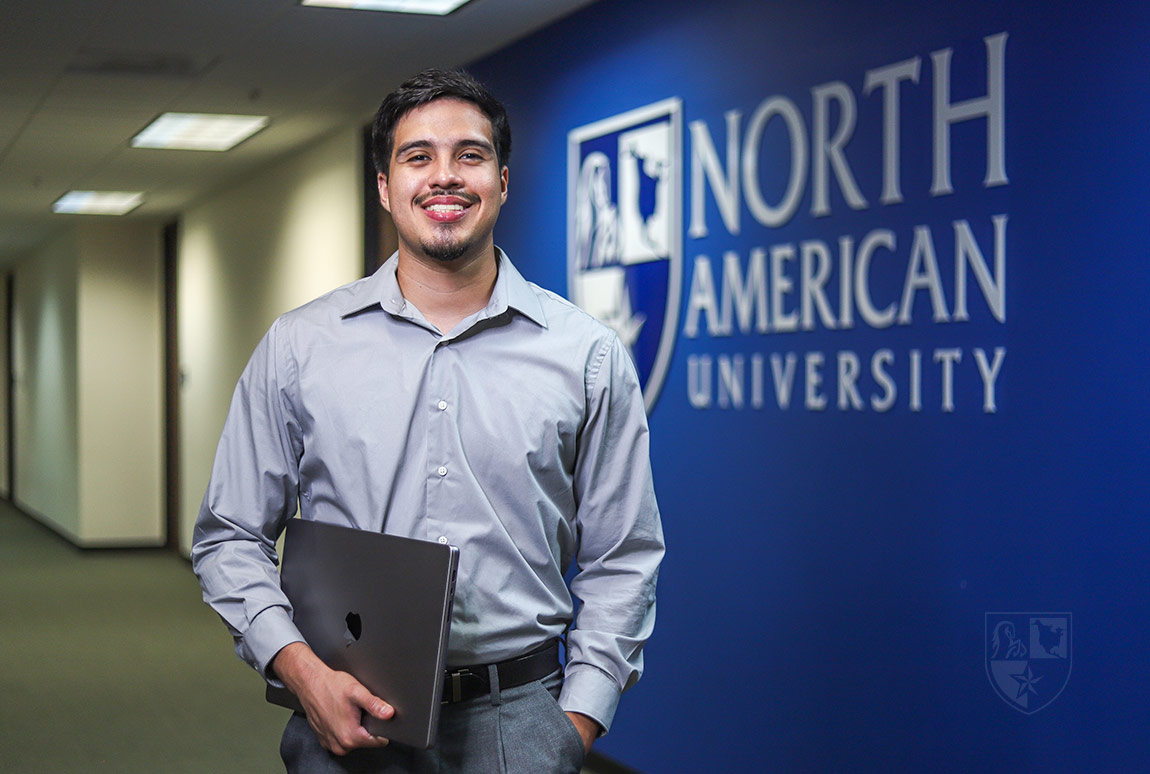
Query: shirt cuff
[(591, 692), (269, 633)]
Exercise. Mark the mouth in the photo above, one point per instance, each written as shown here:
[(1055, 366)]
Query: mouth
[(447, 208)]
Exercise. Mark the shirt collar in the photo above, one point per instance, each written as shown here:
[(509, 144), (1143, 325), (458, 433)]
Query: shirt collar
[(511, 291)]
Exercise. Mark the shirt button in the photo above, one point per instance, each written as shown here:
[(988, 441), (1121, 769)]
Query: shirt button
[(442, 405), (443, 540), (442, 471)]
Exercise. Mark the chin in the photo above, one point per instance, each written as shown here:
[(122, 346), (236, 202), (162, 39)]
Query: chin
[(446, 253)]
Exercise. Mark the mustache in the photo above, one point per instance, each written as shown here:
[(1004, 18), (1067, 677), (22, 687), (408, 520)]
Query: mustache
[(468, 197)]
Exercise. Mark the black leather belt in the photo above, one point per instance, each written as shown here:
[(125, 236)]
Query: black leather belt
[(471, 681)]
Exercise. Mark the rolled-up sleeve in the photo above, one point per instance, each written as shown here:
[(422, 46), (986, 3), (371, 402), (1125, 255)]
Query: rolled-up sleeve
[(621, 541), (252, 492)]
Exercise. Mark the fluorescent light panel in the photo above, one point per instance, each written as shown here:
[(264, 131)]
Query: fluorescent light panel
[(98, 202), (198, 131), (430, 7)]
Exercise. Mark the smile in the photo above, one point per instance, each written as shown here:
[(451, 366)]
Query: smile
[(446, 208), (446, 213)]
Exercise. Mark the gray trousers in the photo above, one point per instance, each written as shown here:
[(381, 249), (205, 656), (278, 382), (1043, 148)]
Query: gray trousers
[(515, 731)]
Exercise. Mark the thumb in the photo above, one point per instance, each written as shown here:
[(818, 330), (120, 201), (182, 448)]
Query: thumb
[(372, 704)]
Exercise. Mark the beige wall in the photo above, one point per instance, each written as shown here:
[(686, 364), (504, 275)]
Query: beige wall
[(45, 385), (5, 488), (246, 256), (88, 395), (88, 339), (120, 422)]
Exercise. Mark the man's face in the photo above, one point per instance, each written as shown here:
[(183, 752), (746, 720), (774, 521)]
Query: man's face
[(444, 186)]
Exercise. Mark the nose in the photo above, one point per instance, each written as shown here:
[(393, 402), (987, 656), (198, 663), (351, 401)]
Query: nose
[(446, 174)]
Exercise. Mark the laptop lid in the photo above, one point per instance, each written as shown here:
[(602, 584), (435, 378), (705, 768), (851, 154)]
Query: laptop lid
[(379, 607)]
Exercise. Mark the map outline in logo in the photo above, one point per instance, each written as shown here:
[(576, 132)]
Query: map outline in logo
[(624, 231), (1028, 657)]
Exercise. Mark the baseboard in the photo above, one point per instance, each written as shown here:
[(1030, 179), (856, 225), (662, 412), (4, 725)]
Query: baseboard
[(48, 525)]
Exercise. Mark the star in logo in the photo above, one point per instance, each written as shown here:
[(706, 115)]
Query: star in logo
[(1026, 681), (1020, 644)]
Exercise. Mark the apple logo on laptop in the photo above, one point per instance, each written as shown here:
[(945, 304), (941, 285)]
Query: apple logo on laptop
[(354, 629)]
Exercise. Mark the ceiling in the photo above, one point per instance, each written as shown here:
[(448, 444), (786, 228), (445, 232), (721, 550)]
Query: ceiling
[(78, 78)]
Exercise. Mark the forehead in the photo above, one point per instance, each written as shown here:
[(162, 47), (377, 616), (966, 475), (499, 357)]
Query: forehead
[(443, 120)]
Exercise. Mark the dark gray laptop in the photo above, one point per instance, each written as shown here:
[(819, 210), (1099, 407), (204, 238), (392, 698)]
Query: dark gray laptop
[(379, 607)]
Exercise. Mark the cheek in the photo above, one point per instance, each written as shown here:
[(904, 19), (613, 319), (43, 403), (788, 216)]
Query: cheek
[(496, 190)]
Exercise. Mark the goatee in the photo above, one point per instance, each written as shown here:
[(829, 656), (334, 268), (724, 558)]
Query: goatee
[(446, 251)]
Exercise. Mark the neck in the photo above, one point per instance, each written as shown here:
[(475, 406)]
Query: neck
[(445, 293)]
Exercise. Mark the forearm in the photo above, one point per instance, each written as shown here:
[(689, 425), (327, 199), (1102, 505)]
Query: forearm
[(598, 670), (621, 546), (252, 492), (605, 642), (241, 584)]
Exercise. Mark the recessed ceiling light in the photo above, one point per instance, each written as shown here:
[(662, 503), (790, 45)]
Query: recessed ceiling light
[(431, 7), (98, 202), (198, 131)]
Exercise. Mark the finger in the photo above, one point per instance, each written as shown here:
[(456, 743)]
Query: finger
[(351, 739), (361, 737)]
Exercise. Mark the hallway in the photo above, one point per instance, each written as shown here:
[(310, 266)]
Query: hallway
[(110, 662)]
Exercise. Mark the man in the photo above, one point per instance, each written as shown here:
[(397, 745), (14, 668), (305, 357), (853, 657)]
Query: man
[(446, 398)]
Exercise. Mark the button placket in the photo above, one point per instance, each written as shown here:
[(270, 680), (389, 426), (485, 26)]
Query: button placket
[(440, 445)]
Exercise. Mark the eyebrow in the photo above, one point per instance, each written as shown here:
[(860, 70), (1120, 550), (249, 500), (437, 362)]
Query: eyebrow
[(412, 145)]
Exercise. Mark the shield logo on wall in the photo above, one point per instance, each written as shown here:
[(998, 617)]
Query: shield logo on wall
[(1028, 657), (624, 231)]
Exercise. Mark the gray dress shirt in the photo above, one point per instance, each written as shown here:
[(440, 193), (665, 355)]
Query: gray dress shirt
[(519, 436)]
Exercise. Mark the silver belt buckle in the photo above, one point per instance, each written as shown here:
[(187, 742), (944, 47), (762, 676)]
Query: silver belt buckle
[(456, 679)]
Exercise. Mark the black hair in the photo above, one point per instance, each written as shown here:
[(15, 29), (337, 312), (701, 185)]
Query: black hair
[(429, 86)]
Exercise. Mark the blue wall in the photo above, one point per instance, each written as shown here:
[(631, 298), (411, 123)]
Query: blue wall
[(835, 575)]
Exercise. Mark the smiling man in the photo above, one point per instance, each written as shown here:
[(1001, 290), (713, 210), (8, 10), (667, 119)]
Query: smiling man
[(446, 398)]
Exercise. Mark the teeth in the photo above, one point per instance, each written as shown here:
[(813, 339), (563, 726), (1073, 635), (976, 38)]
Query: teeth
[(446, 208)]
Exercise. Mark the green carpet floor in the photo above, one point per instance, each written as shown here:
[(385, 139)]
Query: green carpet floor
[(109, 661)]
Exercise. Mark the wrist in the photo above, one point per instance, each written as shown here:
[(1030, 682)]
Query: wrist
[(587, 728), (294, 664)]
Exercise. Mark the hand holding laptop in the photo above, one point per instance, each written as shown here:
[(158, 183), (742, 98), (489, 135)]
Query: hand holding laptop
[(335, 701), (375, 612)]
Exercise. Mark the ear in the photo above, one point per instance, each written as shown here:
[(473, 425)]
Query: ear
[(381, 181), (504, 175)]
